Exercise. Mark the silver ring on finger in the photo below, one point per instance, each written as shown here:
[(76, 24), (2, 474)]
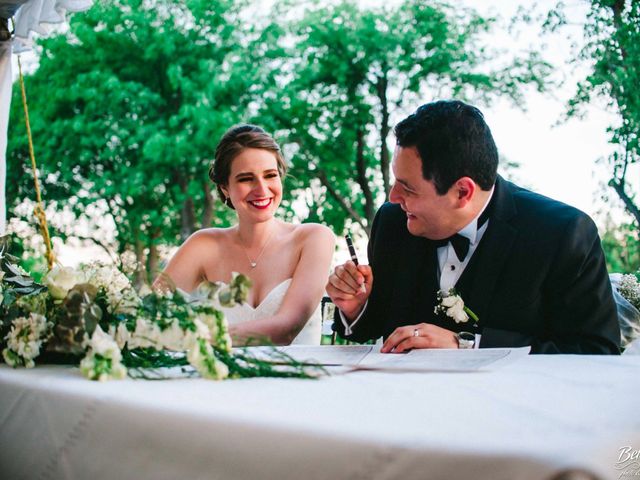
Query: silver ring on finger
[(416, 332)]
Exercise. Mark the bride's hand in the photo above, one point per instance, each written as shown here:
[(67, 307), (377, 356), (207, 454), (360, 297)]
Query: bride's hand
[(349, 287)]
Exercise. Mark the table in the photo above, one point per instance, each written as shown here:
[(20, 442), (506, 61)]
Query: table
[(534, 419)]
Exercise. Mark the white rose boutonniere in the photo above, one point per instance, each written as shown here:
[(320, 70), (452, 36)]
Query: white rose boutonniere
[(452, 305)]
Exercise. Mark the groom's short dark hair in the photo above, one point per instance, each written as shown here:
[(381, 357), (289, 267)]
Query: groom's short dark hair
[(453, 141)]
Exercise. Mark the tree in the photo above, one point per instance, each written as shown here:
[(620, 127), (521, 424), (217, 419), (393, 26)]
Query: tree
[(348, 70), (612, 48), (126, 110), (128, 105), (621, 247)]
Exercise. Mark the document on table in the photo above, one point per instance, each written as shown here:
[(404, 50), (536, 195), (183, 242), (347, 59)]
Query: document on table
[(368, 357)]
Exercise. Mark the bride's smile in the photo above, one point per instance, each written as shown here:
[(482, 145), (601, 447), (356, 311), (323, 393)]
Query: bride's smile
[(255, 185), (262, 203)]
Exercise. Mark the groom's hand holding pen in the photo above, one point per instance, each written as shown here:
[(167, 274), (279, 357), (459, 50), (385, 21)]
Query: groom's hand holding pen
[(350, 284)]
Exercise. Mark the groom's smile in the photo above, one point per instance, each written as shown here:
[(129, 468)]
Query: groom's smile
[(429, 214)]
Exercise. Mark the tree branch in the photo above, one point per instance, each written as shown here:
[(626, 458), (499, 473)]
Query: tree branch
[(361, 170), (207, 214), (106, 248), (618, 186), (381, 88), (342, 201)]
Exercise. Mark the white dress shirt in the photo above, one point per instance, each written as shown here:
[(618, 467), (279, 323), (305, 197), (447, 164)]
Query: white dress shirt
[(450, 268)]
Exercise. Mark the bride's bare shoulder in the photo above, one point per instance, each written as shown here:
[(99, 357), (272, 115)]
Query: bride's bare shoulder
[(314, 232), (208, 238)]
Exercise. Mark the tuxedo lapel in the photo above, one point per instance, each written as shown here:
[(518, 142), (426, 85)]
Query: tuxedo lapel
[(428, 286), (415, 282), (477, 282)]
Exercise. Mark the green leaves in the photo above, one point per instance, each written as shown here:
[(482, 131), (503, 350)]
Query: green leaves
[(15, 283), (76, 319), (126, 110), (347, 73), (612, 52), (128, 105)]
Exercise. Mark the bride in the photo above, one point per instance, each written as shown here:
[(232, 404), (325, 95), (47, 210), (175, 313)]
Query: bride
[(288, 264)]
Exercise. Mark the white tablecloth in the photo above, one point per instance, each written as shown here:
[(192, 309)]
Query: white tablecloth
[(530, 420)]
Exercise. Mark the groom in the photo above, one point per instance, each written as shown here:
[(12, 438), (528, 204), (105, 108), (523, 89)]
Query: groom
[(531, 268)]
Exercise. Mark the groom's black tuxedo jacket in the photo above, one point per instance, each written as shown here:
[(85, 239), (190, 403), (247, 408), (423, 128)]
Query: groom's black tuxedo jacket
[(538, 278)]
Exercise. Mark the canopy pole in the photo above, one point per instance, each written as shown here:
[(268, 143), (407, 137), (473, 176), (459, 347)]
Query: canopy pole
[(38, 211)]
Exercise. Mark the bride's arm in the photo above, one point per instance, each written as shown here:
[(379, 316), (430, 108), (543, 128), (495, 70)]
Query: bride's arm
[(304, 293), (185, 269)]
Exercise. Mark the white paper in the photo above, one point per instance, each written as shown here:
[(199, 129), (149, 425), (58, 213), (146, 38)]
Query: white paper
[(368, 357), (443, 360), (330, 355)]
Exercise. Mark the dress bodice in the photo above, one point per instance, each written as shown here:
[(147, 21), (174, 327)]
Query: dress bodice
[(309, 335)]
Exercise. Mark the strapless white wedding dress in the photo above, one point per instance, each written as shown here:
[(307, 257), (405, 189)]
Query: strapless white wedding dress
[(309, 335)]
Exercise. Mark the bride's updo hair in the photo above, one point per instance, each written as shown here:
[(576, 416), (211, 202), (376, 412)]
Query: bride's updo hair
[(237, 139)]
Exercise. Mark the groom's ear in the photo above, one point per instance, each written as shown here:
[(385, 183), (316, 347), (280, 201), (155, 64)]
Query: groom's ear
[(465, 190)]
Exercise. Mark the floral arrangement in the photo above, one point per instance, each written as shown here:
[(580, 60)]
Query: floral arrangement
[(629, 288), (452, 305), (94, 315), (628, 307)]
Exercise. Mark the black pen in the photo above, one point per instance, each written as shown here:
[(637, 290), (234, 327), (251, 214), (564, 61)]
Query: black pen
[(352, 251), (354, 257)]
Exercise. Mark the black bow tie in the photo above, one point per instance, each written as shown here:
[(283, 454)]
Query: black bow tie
[(459, 243)]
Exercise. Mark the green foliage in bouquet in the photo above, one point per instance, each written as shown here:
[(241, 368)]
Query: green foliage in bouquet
[(15, 281), (94, 315)]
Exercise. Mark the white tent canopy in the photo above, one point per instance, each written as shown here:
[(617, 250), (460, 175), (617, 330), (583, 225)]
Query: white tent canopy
[(30, 16)]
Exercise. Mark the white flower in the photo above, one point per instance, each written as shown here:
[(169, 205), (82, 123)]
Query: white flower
[(202, 358), (12, 359), (146, 334), (451, 301), (457, 312), (224, 342), (144, 290), (94, 368), (210, 323), (202, 329), (120, 334), (25, 339), (120, 293), (173, 337), (453, 306), (126, 302), (629, 288), (103, 361), (218, 330), (103, 344), (62, 279)]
